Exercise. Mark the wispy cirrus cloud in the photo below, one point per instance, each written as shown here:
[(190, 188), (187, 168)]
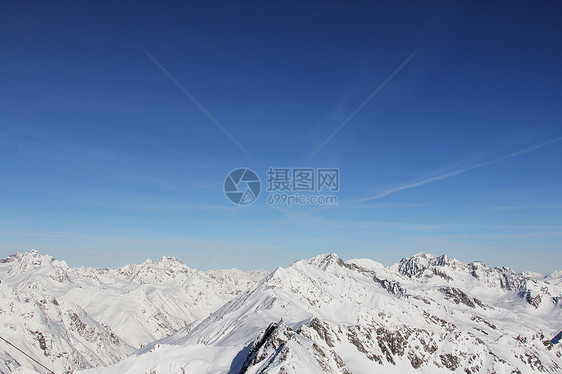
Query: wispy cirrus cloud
[(462, 170)]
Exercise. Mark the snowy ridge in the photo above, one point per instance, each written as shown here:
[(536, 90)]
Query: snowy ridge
[(77, 318), (426, 314)]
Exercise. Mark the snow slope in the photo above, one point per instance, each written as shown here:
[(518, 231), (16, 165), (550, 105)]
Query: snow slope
[(425, 314), (77, 318)]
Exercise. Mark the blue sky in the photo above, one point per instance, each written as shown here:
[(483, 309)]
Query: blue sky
[(449, 141)]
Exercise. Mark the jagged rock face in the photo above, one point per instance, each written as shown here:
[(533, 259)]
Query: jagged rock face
[(78, 318), (278, 346), (426, 314), (532, 287), (55, 332)]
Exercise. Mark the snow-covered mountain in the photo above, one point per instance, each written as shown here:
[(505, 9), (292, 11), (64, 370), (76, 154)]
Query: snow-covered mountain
[(77, 318), (426, 314)]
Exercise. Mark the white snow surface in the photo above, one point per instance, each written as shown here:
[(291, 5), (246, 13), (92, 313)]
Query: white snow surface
[(78, 318), (426, 314)]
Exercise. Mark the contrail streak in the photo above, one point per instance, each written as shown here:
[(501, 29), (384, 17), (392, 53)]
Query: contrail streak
[(196, 102), (461, 170), (367, 100)]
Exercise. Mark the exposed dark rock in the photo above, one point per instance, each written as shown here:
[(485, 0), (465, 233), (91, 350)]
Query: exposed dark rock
[(450, 361), (323, 331), (42, 342), (535, 301), (458, 296)]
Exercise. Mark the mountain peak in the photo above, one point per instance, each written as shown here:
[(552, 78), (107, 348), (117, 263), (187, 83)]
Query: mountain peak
[(32, 253), (84, 317), (325, 260), (32, 259), (556, 274), (168, 261), (415, 265), (358, 316)]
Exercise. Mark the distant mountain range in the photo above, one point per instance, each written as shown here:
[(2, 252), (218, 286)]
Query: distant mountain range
[(425, 314), (78, 318)]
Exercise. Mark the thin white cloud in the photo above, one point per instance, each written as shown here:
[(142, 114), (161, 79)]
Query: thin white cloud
[(461, 170)]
